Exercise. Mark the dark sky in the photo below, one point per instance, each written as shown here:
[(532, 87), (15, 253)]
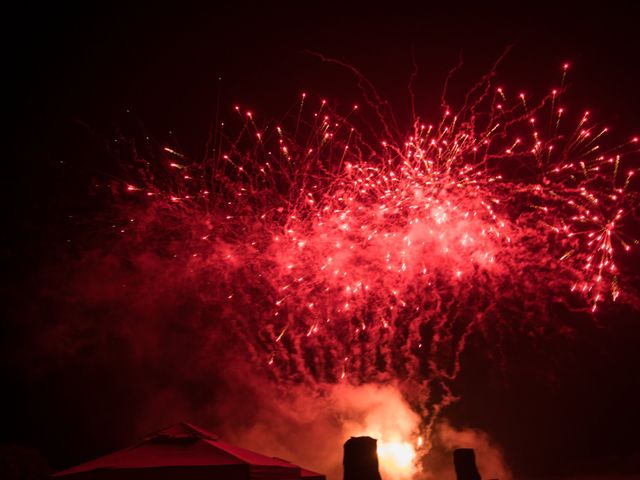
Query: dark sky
[(77, 75)]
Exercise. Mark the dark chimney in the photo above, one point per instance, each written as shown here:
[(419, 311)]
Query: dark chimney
[(464, 459), (361, 459)]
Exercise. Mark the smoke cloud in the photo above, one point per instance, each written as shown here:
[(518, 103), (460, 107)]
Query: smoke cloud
[(489, 456), (310, 426), (131, 339)]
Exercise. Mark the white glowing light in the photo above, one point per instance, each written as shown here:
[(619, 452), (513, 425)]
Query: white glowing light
[(396, 458)]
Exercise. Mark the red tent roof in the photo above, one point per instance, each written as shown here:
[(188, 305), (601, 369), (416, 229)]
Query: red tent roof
[(306, 474), (186, 452)]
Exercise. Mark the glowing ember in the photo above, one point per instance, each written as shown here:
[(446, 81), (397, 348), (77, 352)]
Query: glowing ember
[(335, 256)]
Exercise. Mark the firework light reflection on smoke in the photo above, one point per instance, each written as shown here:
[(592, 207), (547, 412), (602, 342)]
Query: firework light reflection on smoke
[(333, 257), (397, 457)]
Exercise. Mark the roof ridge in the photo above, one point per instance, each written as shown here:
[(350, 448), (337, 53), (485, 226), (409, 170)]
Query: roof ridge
[(180, 432)]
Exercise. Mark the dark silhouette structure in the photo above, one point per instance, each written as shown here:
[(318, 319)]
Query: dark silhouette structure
[(361, 459), (464, 460)]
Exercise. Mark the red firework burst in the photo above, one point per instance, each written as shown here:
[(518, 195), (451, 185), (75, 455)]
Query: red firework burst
[(331, 255)]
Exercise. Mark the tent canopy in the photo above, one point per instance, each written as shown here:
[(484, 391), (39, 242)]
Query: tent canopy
[(186, 452)]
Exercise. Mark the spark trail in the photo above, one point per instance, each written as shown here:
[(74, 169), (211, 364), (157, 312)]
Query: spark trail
[(332, 256)]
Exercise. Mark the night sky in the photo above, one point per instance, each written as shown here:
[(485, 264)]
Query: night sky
[(560, 406)]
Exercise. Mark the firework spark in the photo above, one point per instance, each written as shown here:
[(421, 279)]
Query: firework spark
[(336, 254)]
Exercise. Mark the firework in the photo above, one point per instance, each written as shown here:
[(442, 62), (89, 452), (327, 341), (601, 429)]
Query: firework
[(335, 249)]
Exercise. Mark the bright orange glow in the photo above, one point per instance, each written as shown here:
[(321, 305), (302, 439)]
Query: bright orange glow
[(396, 458)]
